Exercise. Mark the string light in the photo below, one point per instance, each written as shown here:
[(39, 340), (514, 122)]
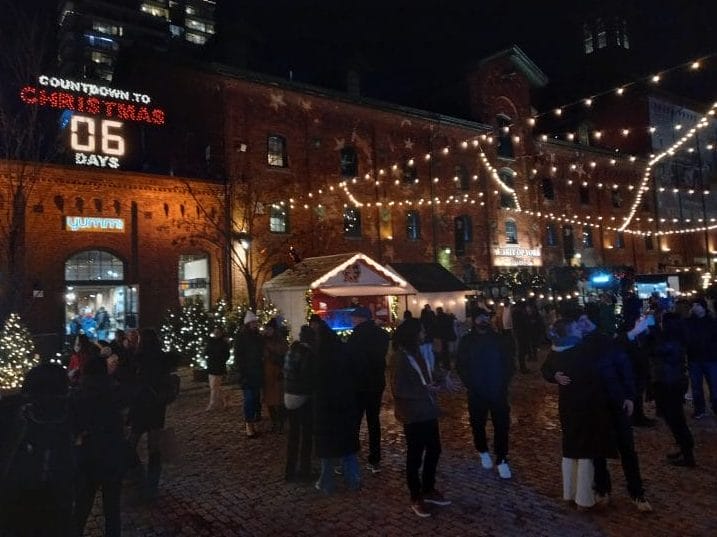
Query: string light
[(17, 353)]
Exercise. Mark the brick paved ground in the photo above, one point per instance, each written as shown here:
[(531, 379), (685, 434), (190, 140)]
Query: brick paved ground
[(224, 484)]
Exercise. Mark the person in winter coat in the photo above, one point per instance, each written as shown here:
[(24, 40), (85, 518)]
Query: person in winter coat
[(446, 334), (667, 359), (148, 408), (275, 347), (702, 356), (248, 357), (415, 385), (298, 390), (100, 447), (217, 352), (366, 350), (582, 406), (85, 350), (486, 367), (335, 413)]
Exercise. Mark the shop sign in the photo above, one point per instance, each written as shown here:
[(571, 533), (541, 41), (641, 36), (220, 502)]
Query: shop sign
[(95, 224), (95, 114), (516, 256)]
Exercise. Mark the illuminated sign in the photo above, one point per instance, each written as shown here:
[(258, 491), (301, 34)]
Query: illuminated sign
[(95, 224), (512, 256), (97, 116)]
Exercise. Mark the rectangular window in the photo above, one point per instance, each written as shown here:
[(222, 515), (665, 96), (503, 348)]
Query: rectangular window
[(197, 39), (601, 34), (276, 151), (616, 198), (413, 225), (278, 219), (648, 242), (588, 38), (511, 232), (619, 239), (505, 138), (349, 162), (587, 237), (548, 189), (551, 235), (585, 195), (101, 58), (155, 10), (352, 222), (507, 199)]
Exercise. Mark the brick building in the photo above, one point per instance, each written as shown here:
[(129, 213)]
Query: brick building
[(249, 173)]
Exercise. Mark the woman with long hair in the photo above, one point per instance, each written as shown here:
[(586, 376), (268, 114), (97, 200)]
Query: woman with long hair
[(415, 385)]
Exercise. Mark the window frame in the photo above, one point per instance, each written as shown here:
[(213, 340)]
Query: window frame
[(588, 241), (413, 225), (283, 218), (511, 232), (504, 148), (274, 157), (356, 232), (348, 169), (551, 235)]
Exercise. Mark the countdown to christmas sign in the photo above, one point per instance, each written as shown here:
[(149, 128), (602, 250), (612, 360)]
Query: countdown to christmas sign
[(97, 116)]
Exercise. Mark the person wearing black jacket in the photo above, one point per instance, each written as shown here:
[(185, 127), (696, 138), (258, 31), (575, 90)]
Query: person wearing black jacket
[(100, 446), (366, 350), (667, 359), (249, 362), (217, 352), (615, 370), (299, 381), (486, 367), (702, 356)]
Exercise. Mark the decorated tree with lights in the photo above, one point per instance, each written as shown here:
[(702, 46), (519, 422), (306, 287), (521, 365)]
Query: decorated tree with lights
[(17, 355), (185, 332)]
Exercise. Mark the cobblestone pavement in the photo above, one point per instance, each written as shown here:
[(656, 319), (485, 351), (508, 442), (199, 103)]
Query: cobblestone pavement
[(225, 484)]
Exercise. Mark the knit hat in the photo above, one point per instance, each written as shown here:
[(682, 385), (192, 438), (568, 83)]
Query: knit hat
[(250, 317)]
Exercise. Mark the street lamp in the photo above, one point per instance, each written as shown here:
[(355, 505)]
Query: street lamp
[(244, 239)]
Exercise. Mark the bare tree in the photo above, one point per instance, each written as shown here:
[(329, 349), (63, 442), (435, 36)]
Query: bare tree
[(26, 142)]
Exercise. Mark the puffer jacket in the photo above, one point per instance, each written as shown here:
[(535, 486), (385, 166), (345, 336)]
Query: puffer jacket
[(413, 401)]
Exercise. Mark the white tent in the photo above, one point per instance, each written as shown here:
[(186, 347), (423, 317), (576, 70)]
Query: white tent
[(341, 275)]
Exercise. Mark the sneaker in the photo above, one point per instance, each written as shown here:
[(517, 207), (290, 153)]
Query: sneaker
[(373, 468), (504, 470), (485, 460), (602, 500), (436, 498), (642, 504), (699, 415), (419, 507)]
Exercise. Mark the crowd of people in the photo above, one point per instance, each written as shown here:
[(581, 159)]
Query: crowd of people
[(75, 431), (113, 394)]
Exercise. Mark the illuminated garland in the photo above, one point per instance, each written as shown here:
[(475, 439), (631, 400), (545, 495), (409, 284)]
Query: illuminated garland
[(17, 353)]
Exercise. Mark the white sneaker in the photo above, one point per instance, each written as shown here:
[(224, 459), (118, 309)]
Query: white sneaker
[(485, 460), (504, 471)]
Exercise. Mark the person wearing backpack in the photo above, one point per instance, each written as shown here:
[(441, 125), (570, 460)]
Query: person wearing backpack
[(148, 408), (37, 468), (99, 446)]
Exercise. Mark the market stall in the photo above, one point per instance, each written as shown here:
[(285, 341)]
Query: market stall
[(331, 286)]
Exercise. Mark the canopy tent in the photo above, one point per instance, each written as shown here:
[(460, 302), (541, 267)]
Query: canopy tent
[(328, 284), (432, 283)]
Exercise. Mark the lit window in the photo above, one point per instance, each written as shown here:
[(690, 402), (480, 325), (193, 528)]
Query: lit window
[(276, 151), (194, 278), (196, 25), (588, 37), (349, 162), (278, 219), (93, 265), (352, 222), (101, 58), (587, 237), (413, 225), (105, 28), (154, 10), (176, 31), (189, 10), (511, 232), (197, 39)]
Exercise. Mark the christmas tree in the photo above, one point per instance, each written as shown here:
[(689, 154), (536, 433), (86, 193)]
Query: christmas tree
[(16, 353), (185, 332)]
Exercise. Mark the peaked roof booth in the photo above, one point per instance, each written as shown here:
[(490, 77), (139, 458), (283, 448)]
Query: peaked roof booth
[(329, 283)]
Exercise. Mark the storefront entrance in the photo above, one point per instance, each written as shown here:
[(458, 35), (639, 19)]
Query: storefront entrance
[(97, 300)]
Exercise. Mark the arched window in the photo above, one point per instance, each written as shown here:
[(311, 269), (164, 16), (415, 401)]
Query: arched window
[(505, 140), (94, 265), (511, 232)]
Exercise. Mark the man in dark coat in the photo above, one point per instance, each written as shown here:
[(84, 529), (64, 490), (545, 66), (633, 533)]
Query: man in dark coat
[(486, 367), (249, 356), (702, 356), (366, 350)]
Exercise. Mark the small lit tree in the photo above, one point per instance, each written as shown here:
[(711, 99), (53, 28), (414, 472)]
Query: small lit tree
[(185, 332), (17, 354)]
